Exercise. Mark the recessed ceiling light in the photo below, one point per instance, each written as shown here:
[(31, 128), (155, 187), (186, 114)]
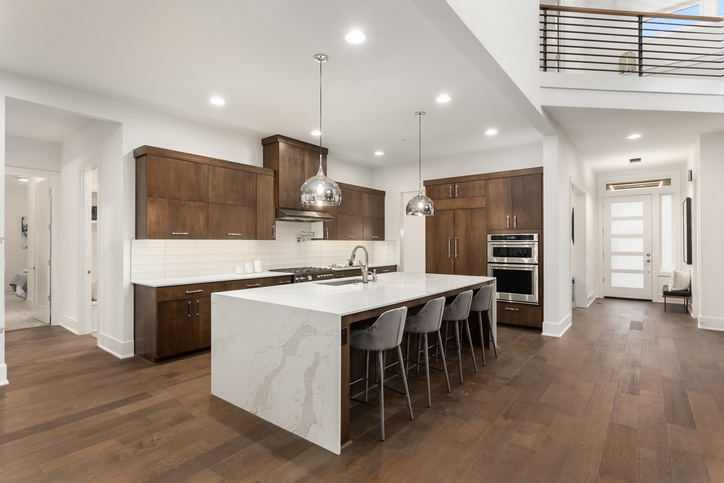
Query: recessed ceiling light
[(634, 136), (355, 37), (316, 133), (443, 98), (490, 132), (217, 100), (379, 153), (24, 179)]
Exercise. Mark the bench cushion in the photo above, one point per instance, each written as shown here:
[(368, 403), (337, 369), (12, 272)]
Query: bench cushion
[(676, 293)]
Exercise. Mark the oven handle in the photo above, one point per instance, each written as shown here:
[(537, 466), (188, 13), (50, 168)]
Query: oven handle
[(513, 266)]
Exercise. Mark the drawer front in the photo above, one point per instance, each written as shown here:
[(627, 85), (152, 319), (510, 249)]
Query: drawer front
[(181, 292), (257, 283), (520, 314), (387, 269), (348, 273)]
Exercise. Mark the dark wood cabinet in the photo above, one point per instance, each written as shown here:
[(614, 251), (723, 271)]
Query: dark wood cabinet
[(360, 216), (515, 203), (373, 205), (350, 227), (439, 230), (374, 228), (183, 326), (453, 190), (352, 201), (186, 196), (455, 242), (258, 283), (499, 204), (357, 272)]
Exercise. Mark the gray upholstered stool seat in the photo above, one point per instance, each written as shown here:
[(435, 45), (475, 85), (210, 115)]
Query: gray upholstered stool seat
[(385, 334), (459, 311), (427, 321), (481, 303)]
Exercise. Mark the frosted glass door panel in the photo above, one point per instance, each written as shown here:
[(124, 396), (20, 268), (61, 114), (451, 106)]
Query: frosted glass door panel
[(627, 280), (635, 245), (620, 210), (627, 262), (627, 227)]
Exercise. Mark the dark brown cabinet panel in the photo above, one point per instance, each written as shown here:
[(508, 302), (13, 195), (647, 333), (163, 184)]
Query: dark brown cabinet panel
[(374, 228), (470, 189), (352, 202), (499, 204), (350, 227), (178, 292), (439, 236), (257, 283), (265, 213), (175, 179), (520, 314), (331, 230), (176, 219), (291, 175), (527, 196), (234, 222), (181, 326), (439, 191), (469, 244), (231, 186), (373, 205)]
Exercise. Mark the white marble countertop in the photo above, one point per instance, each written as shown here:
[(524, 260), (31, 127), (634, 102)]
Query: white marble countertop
[(225, 277), (391, 288)]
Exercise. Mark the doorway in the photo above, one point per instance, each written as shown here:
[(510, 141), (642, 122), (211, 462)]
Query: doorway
[(90, 251), (627, 247)]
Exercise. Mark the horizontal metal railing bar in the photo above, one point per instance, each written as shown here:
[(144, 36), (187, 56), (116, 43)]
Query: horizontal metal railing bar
[(567, 52), (635, 33), (618, 49), (632, 20), (650, 24), (645, 73), (620, 42), (633, 29), (627, 13), (636, 65)]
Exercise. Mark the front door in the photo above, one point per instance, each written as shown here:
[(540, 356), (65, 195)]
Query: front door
[(627, 247)]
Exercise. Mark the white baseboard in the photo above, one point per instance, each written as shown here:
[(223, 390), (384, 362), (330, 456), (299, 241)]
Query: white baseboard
[(3, 375), (120, 349), (711, 323), (592, 298), (69, 324), (553, 329)]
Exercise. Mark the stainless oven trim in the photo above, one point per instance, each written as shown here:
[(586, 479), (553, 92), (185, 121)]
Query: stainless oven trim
[(504, 243), (515, 297)]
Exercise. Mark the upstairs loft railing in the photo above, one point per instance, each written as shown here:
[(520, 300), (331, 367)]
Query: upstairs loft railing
[(630, 43)]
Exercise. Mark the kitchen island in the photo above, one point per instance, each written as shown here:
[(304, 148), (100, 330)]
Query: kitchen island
[(282, 353)]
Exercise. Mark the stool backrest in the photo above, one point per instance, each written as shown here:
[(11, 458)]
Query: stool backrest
[(429, 319), (388, 329), (460, 308), (481, 300)]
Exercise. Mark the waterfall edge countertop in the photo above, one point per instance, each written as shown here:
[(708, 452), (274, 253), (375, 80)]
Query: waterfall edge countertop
[(279, 352)]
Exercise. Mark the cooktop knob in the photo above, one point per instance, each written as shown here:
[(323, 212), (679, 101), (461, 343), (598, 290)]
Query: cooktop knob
[(309, 277)]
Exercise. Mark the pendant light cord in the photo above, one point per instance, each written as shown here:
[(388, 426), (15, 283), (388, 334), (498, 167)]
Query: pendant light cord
[(419, 151), (320, 115)]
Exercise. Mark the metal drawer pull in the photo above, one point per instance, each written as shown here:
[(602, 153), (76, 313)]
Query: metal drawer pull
[(508, 221), (512, 309), (274, 231), (351, 236), (450, 191), (286, 281), (515, 221), (449, 240), (194, 291), (198, 308), (252, 285), (234, 234), (456, 191), (179, 233), (374, 236), (456, 247), (189, 309), (327, 233)]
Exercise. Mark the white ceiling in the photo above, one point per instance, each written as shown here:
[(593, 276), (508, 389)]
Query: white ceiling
[(35, 121), (600, 135), (12, 180), (174, 55)]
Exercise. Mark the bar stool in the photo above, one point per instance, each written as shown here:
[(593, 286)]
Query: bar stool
[(459, 311), (480, 304), (427, 321), (385, 334)]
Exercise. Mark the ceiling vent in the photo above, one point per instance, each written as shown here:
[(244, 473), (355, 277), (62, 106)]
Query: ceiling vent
[(634, 160)]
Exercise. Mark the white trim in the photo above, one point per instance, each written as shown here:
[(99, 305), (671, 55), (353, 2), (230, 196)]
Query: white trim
[(120, 349), (4, 375), (711, 323), (592, 298), (553, 329), (68, 323)]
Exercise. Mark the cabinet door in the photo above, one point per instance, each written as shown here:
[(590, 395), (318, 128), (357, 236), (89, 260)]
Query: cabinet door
[(232, 222), (374, 228), (202, 324), (265, 213), (439, 191), (350, 227), (331, 231), (469, 189), (527, 197), (177, 327), (176, 219), (175, 179), (291, 175), (231, 186), (438, 242), (470, 245), (352, 203), (373, 205), (498, 204)]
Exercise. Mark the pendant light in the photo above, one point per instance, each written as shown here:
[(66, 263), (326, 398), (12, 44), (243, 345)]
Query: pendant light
[(420, 205), (320, 190)]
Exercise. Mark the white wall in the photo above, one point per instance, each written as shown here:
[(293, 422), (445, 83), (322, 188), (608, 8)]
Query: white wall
[(32, 153), (16, 207), (691, 189)]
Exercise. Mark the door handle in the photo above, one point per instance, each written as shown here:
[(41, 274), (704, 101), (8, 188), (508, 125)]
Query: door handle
[(274, 231), (198, 308), (450, 191), (456, 247), (456, 191), (515, 221), (252, 285), (194, 291), (508, 217), (189, 310), (449, 240), (179, 233)]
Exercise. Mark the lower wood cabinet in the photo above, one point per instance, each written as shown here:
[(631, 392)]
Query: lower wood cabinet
[(357, 272), (183, 326), (257, 283), (520, 314), (455, 242)]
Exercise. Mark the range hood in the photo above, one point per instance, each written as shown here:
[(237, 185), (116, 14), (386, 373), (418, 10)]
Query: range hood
[(287, 214)]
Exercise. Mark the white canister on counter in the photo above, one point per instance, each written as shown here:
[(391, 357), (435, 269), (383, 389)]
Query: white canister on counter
[(248, 267), (257, 265), (239, 269)]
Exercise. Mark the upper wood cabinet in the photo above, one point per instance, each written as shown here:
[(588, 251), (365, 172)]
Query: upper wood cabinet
[(373, 205), (186, 196), (294, 162), (454, 190), (499, 203), (515, 203), (360, 216)]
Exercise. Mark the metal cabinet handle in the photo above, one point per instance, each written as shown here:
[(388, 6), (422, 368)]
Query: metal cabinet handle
[(449, 239), (351, 236), (326, 230), (283, 282), (450, 191), (189, 309), (512, 309), (234, 234), (179, 233), (456, 191), (198, 308), (274, 231), (194, 291), (515, 221), (456, 247), (374, 236), (508, 217), (252, 285)]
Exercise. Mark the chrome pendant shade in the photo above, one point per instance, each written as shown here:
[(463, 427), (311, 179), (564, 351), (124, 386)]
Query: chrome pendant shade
[(320, 190), (420, 205)]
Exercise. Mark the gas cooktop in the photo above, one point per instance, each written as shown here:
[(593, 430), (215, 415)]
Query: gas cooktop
[(307, 274)]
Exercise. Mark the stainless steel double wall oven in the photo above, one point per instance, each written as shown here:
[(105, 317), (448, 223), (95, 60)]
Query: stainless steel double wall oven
[(513, 261)]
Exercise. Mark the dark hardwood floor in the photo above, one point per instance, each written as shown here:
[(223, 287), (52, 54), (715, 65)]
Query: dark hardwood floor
[(628, 394)]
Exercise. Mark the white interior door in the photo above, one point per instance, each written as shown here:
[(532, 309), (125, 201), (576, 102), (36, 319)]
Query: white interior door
[(41, 264), (627, 247)]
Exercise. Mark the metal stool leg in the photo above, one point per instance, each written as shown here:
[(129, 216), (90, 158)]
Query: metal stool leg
[(427, 371), (492, 339), (367, 373), (457, 342), (381, 365), (482, 336), (407, 355), (470, 340), (404, 383), (444, 364), (417, 356)]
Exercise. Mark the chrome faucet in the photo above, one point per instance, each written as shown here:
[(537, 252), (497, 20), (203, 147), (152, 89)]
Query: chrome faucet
[(365, 271)]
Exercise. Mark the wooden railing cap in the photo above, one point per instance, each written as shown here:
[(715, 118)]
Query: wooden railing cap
[(628, 13)]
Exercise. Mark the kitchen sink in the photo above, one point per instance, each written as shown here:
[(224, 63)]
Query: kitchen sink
[(345, 281)]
